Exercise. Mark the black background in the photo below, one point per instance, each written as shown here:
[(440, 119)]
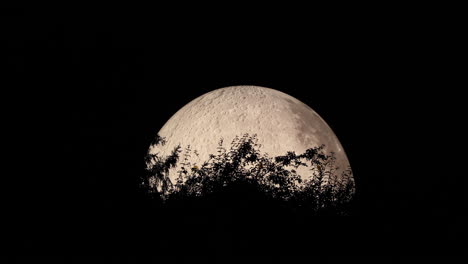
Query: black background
[(91, 90)]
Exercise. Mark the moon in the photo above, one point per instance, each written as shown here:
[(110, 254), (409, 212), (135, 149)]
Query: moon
[(281, 122)]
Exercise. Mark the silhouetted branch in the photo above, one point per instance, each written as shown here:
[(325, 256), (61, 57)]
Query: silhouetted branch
[(243, 164)]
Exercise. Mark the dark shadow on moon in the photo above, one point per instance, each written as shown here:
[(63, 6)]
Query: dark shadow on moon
[(307, 133)]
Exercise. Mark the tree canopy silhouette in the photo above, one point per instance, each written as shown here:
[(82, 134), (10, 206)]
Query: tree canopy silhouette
[(243, 167)]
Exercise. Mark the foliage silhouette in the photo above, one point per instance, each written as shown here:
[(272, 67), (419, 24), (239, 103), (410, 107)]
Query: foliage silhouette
[(243, 170)]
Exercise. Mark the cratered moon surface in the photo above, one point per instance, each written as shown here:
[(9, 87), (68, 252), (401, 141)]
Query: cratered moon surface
[(281, 122)]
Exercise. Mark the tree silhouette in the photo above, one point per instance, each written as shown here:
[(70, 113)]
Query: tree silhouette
[(243, 167)]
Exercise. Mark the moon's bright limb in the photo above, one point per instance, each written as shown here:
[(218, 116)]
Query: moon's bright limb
[(282, 123)]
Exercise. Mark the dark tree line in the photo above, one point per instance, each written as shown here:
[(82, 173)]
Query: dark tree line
[(243, 167)]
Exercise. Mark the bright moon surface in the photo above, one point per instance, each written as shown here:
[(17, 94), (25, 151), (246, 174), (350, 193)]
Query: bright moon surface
[(282, 123)]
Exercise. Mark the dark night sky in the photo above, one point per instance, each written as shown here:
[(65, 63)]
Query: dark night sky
[(93, 93)]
